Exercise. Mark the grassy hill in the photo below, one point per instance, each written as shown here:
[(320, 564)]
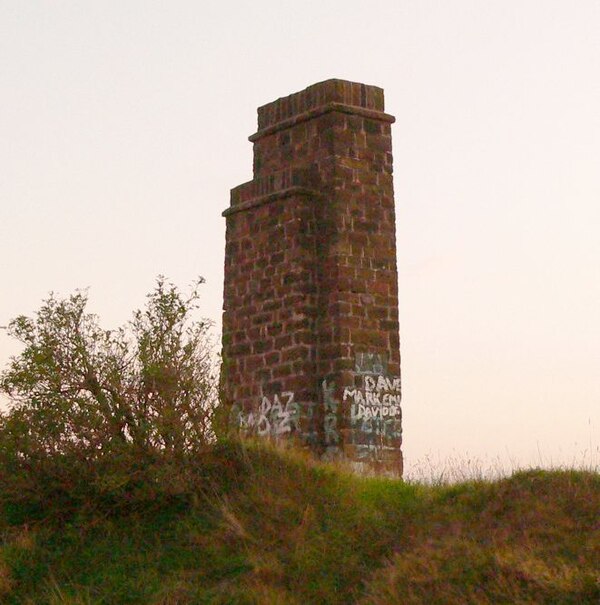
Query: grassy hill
[(266, 526)]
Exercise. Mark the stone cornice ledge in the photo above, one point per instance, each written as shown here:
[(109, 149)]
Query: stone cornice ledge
[(317, 111), (271, 197)]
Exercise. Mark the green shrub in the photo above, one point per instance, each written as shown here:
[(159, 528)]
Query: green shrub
[(117, 413)]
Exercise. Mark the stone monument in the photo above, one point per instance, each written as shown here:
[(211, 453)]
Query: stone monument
[(310, 325)]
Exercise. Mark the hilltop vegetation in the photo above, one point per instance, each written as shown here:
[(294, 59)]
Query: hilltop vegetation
[(257, 525), (117, 487)]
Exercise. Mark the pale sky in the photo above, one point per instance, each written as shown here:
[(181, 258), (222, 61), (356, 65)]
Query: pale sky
[(124, 124)]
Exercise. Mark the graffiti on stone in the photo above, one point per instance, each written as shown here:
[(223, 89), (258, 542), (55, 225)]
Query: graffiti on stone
[(310, 436), (371, 409), (370, 363), (275, 416), (378, 399), (331, 414), (375, 413)]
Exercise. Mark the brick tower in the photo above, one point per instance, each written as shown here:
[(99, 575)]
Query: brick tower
[(310, 324)]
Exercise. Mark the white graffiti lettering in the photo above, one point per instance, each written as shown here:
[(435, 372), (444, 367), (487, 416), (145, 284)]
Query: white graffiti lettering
[(375, 411), (382, 383), (330, 421), (274, 417)]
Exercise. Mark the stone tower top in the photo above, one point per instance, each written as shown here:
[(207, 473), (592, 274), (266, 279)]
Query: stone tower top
[(330, 95)]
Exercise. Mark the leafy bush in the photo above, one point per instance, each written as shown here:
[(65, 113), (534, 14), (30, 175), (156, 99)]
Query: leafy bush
[(109, 410)]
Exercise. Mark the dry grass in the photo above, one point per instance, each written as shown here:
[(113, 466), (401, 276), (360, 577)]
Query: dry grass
[(6, 581), (278, 528)]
